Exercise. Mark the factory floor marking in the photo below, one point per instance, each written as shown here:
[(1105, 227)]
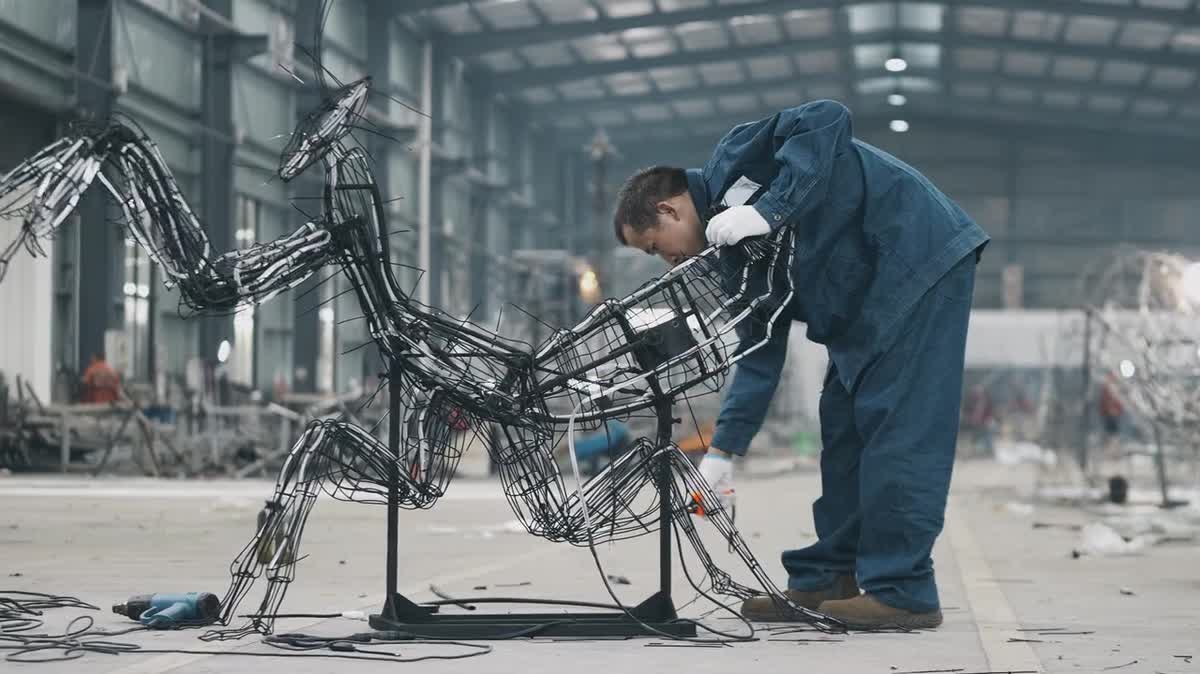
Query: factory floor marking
[(994, 617)]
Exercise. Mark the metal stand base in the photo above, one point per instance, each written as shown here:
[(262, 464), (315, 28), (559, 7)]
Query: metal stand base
[(654, 617), (657, 616)]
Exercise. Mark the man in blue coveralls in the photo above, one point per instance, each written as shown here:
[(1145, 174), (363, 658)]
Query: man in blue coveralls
[(884, 270)]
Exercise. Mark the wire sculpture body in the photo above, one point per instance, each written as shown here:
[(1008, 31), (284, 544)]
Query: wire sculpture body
[(666, 341), (1143, 308)]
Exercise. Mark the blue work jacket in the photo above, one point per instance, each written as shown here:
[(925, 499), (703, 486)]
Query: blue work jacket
[(871, 236)]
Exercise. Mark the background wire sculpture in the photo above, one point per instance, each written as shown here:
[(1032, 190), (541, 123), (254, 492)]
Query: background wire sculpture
[(1144, 312), (464, 384)]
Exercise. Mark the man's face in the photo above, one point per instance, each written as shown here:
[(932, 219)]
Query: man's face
[(677, 235)]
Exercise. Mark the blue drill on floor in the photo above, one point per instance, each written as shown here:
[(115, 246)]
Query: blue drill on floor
[(169, 610)]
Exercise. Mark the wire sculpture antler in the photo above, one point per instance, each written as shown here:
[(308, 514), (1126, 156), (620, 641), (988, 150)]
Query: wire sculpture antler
[(667, 341)]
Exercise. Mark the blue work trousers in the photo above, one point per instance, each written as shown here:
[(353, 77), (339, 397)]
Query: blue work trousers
[(887, 456)]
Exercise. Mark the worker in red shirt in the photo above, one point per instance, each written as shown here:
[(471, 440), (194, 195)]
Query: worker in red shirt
[(1111, 407), (100, 382), (979, 416)]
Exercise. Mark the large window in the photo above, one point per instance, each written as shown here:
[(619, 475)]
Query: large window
[(133, 360), (326, 347), (242, 366)]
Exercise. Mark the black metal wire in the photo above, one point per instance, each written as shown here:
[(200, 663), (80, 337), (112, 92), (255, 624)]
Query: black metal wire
[(464, 385)]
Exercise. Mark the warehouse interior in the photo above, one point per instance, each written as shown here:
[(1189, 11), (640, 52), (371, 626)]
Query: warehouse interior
[(499, 134)]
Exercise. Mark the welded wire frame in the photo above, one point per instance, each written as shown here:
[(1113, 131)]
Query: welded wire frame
[(157, 217), (45, 189), (338, 113), (1144, 309), (669, 340)]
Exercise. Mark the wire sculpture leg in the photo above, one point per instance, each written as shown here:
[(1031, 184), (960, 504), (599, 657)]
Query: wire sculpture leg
[(273, 547), (623, 501), (343, 460)]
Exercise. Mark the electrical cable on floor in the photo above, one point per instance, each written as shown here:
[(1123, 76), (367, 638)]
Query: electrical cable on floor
[(21, 611)]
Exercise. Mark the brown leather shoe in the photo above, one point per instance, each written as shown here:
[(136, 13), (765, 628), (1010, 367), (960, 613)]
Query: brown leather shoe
[(865, 612), (767, 609)]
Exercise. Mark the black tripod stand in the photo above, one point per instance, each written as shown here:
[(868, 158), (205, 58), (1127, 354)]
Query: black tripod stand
[(655, 616)]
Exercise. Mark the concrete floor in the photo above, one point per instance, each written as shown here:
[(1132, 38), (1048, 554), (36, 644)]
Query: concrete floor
[(103, 540)]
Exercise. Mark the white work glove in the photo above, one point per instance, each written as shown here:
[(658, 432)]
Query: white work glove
[(717, 471), (734, 224)]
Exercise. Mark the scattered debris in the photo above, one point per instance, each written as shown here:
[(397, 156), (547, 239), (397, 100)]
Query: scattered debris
[(1020, 509), (1127, 592), (1013, 453), (685, 644), (442, 595), (1187, 659), (341, 562), (778, 630), (1015, 640), (961, 671), (1101, 540), (1002, 672), (1053, 631), (619, 580), (1127, 664), (17, 574), (1057, 525), (1154, 524), (520, 584)]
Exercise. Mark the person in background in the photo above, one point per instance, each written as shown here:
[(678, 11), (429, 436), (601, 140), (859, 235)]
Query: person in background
[(1111, 411), (979, 416), (101, 384)]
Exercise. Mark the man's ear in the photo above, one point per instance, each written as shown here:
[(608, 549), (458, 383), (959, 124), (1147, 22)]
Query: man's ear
[(666, 208)]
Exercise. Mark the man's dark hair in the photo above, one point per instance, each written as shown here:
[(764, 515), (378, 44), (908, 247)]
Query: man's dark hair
[(641, 193)]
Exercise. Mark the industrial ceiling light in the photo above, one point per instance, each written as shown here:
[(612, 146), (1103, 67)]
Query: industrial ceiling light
[(897, 100), (223, 351), (589, 286), (896, 65), (899, 125)]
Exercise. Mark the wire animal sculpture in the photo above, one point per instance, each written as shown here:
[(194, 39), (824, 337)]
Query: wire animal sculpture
[(668, 341)]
